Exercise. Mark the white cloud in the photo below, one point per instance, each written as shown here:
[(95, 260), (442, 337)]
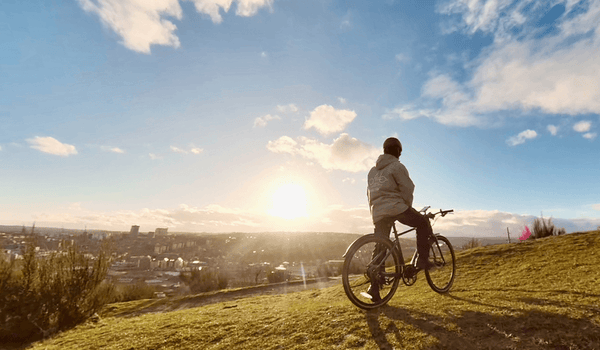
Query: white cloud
[(342, 100), (52, 146), (402, 57), (486, 16), (262, 121), (284, 144), (178, 150), (328, 120), (112, 149), (582, 126), (154, 156), (287, 108), (141, 23), (590, 135), (0, 148), (349, 180), (521, 137), (193, 149), (345, 153), (596, 206), (245, 8), (216, 218), (553, 129), (554, 74), (493, 223)]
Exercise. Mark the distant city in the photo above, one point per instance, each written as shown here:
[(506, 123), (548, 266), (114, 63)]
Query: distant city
[(157, 258)]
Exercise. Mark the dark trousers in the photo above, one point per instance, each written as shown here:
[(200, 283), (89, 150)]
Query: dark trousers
[(411, 218)]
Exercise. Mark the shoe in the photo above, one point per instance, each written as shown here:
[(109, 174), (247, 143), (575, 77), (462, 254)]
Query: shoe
[(423, 264), (373, 292)]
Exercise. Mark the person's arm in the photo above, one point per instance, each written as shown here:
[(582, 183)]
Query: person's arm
[(405, 184)]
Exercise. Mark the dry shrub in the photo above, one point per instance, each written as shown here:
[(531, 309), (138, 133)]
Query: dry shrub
[(40, 296), (472, 243), (544, 228)]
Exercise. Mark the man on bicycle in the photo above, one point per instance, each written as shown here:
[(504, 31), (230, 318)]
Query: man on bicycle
[(390, 193)]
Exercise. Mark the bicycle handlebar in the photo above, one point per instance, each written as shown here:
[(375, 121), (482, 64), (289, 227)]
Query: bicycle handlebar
[(442, 212)]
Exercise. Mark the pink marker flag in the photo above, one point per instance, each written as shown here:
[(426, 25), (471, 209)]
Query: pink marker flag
[(525, 234)]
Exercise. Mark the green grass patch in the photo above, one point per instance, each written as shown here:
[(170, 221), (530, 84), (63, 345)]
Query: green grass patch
[(542, 294)]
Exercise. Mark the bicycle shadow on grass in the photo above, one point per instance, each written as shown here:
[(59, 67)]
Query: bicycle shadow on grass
[(478, 330)]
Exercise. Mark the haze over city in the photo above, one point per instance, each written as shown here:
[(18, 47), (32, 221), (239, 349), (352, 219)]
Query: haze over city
[(266, 115)]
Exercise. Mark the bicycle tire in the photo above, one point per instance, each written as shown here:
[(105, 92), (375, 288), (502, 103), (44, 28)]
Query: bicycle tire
[(355, 273), (441, 254)]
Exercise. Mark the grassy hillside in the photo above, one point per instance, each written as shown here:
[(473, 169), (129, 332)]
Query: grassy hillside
[(541, 294)]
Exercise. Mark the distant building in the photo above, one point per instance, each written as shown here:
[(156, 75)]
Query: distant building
[(161, 231), (135, 230)]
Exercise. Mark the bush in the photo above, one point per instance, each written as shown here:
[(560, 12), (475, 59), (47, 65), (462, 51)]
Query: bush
[(277, 276), (542, 228), (472, 243), (40, 296), (136, 291), (204, 280)]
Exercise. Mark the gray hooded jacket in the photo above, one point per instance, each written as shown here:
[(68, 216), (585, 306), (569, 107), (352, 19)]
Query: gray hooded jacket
[(390, 189)]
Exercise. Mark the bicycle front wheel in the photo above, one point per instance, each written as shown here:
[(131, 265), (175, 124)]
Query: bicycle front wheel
[(441, 255), (371, 260)]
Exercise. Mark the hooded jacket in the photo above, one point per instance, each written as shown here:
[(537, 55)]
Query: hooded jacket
[(390, 189)]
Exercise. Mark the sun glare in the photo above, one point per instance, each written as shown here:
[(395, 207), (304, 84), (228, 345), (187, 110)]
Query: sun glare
[(289, 202)]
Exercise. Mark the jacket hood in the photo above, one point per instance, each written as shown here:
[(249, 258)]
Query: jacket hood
[(384, 160)]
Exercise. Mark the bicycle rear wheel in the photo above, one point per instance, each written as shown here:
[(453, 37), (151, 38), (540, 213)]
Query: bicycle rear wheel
[(441, 254), (362, 267)]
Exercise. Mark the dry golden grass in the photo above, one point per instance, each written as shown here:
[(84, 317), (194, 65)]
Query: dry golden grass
[(542, 294)]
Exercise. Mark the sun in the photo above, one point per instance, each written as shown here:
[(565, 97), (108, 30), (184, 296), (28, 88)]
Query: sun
[(289, 202)]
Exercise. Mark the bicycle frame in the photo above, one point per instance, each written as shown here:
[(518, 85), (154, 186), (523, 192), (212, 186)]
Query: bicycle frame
[(415, 256)]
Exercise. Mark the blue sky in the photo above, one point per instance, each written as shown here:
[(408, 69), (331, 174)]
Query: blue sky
[(266, 115)]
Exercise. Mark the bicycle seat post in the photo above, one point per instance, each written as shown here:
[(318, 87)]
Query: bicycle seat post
[(394, 230)]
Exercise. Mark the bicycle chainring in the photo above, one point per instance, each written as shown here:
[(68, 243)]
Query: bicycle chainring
[(409, 277)]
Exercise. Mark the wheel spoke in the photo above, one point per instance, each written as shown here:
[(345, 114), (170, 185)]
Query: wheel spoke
[(441, 255), (370, 261)]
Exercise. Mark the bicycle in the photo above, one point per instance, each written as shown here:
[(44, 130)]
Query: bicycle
[(387, 267)]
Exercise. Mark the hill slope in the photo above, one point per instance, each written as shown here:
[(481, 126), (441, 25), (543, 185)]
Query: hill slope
[(542, 294)]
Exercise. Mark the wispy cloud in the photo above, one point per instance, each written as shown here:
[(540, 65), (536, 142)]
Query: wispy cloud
[(261, 122), (553, 129), (143, 23), (112, 149), (590, 135), (154, 156), (402, 57), (196, 150), (289, 108), (328, 120), (349, 180), (345, 153), (178, 150), (521, 137), (554, 74), (52, 146)]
